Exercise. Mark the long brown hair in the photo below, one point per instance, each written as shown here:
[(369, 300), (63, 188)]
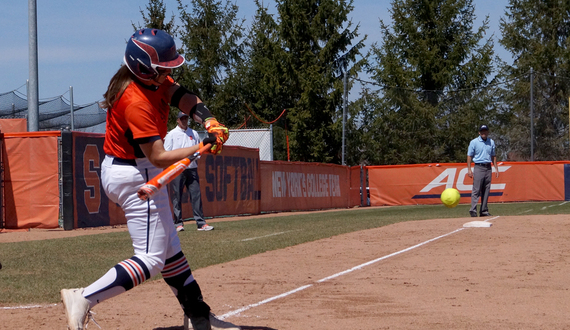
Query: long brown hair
[(117, 87)]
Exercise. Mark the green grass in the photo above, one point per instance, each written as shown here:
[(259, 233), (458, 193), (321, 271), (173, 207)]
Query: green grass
[(35, 271)]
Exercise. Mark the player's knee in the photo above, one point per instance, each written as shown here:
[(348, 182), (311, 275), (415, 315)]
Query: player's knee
[(153, 263)]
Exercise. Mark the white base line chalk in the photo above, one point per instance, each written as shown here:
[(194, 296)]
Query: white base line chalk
[(26, 307), (274, 234), (493, 218), (243, 309)]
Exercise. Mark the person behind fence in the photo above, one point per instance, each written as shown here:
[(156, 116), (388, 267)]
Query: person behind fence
[(482, 152), (138, 102), (183, 136)]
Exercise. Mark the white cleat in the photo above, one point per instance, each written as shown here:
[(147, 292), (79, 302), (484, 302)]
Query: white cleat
[(76, 308), (205, 227), (216, 324)]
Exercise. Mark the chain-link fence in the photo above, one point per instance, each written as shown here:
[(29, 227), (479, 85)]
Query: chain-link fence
[(257, 138)]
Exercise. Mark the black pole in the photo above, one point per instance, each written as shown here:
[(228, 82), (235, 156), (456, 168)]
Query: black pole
[(67, 179)]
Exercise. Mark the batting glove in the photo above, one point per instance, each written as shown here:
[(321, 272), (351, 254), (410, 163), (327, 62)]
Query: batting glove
[(211, 139), (218, 130)]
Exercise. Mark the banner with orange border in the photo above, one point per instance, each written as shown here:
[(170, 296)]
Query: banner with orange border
[(424, 183)]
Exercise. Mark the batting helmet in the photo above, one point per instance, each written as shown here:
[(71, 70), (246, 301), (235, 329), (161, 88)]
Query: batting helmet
[(148, 49)]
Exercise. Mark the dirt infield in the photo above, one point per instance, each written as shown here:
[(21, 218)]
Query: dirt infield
[(513, 275)]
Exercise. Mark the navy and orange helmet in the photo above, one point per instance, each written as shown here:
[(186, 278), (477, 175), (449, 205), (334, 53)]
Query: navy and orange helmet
[(149, 49)]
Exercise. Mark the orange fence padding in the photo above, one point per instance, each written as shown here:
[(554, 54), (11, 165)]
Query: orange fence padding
[(31, 183), (13, 125), (423, 184), (355, 186), (288, 186)]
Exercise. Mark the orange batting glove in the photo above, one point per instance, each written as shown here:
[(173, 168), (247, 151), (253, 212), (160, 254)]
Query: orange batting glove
[(218, 130)]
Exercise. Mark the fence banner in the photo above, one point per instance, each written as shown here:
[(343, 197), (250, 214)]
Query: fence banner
[(229, 183), (288, 186), (423, 184), (31, 182), (91, 206)]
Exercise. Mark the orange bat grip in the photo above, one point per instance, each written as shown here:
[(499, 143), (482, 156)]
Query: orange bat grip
[(155, 184)]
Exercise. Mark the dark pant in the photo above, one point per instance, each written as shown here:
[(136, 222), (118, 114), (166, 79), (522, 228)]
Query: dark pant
[(482, 175), (189, 179)]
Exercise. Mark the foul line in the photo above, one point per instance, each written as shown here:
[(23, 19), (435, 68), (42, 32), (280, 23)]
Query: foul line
[(243, 309), (283, 295), (274, 234), (27, 307)]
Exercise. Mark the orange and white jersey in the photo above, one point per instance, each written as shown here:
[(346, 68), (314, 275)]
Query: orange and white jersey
[(139, 114)]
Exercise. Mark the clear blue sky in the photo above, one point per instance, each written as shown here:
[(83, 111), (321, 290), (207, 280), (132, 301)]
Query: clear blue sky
[(81, 43)]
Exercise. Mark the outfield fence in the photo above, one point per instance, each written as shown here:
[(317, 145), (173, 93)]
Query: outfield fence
[(424, 183), (52, 179), (56, 174)]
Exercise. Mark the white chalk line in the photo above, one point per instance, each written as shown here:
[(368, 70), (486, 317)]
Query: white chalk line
[(274, 234), (26, 307), (237, 311), (493, 218), (245, 308), (553, 205)]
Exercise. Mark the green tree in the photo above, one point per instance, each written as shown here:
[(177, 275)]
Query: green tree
[(318, 41), (154, 17), (432, 67), (210, 33), (262, 85), (537, 33)]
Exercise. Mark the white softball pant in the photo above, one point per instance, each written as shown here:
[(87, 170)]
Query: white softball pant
[(150, 222)]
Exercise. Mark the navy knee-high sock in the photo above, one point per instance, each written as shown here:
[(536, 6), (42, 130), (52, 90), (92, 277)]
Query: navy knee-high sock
[(122, 277)]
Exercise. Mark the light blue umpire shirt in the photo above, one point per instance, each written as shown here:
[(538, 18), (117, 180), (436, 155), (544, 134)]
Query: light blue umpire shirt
[(481, 151)]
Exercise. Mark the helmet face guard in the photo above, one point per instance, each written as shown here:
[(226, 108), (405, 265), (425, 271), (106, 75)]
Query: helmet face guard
[(148, 49)]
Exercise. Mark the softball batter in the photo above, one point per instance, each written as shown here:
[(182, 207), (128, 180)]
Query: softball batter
[(138, 100)]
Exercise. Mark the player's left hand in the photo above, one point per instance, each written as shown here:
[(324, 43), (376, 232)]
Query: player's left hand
[(211, 139), (220, 131)]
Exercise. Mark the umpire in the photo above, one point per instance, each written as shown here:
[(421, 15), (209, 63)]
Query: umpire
[(482, 152)]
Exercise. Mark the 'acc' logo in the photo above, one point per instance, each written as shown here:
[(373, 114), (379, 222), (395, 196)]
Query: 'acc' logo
[(447, 179)]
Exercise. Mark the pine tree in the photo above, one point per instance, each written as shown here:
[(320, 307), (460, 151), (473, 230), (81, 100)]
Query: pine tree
[(155, 16), (319, 41), (537, 35), (431, 66), (210, 34), (262, 84)]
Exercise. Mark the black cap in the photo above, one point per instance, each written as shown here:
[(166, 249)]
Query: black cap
[(483, 128), (181, 114)]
